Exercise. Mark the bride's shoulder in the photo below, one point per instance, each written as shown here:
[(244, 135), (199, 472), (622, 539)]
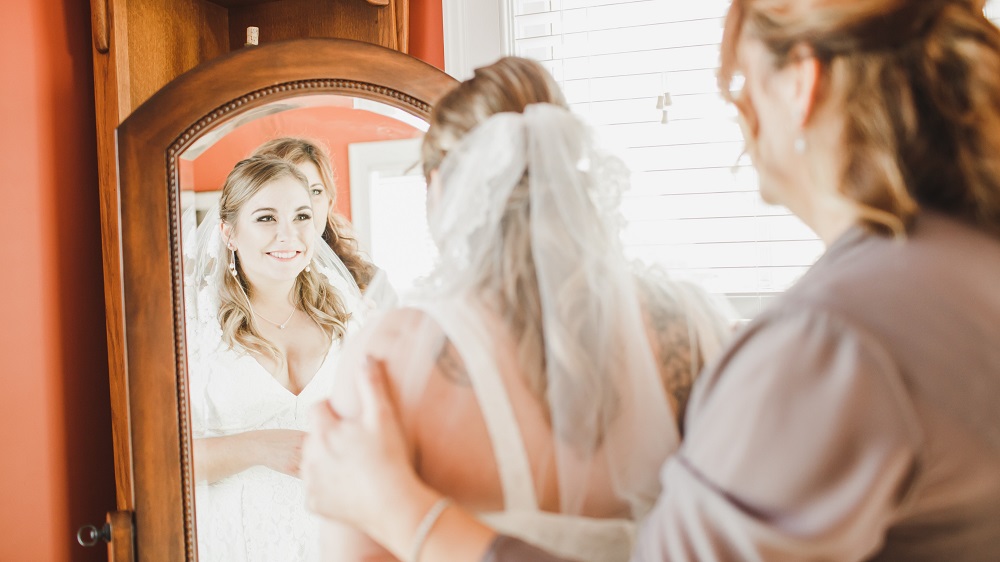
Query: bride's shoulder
[(398, 334), (406, 340)]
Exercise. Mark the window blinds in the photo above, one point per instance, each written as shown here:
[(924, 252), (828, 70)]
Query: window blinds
[(693, 207)]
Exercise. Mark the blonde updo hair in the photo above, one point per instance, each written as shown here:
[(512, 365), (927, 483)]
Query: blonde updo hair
[(508, 85), (313, 292), (920, 85), (337, 231)]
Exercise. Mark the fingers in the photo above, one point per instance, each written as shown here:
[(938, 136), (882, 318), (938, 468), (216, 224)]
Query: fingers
[(314, 467), (373, 390), (323, 417), (312, 451)]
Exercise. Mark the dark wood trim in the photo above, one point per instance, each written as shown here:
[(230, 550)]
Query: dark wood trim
[(99, 25), (149, 142), (121, 547), (401, 10), (111, 100)]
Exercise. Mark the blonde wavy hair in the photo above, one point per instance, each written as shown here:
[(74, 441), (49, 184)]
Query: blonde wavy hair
[(337, 232), (920, 85), (508, 85), (313, 292)]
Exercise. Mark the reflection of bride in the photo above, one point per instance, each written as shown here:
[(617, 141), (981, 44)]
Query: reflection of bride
[(267, 305), (313, 160), (537, 375)]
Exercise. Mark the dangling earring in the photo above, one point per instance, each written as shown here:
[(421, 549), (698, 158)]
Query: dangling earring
[(799, 144), (232, 261), (309, 267)]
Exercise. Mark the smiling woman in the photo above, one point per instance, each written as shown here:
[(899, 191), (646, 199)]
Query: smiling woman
[(270, 235), (265, 316), (314, 161)]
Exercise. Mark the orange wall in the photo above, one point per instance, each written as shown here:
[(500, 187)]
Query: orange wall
[(427, 32), (56, 469)]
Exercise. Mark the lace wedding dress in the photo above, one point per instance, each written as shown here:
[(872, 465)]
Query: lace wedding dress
[(258, 514)]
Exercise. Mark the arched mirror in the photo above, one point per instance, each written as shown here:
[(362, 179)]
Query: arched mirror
[(365, 104)]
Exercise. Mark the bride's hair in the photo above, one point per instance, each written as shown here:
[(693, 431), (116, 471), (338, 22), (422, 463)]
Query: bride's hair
[(313, 293), (337, 233), (508, 85)]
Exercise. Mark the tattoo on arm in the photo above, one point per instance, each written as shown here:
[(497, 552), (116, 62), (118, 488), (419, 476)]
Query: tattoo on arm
[(671, 342)]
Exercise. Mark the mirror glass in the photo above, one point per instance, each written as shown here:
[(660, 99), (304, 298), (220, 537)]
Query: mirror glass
[(249, 408)]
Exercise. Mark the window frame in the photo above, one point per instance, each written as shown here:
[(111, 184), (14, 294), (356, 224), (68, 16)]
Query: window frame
[(464, 51)]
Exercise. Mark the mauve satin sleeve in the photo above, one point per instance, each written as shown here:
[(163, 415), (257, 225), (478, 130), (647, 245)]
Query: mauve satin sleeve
[(800, 446)]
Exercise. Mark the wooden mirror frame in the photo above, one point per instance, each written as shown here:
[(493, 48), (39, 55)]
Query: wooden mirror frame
[(160, 472)]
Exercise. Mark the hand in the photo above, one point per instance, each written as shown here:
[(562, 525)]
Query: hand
[(354, 467), (280, 449)]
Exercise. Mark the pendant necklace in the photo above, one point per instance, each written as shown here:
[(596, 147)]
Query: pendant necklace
[(280, 326)]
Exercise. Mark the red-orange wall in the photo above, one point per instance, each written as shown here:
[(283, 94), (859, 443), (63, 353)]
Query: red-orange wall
[(55, 422), (427, 32), (56, 469)]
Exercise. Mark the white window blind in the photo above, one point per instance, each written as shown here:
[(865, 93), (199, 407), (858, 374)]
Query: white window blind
[(693, 206)]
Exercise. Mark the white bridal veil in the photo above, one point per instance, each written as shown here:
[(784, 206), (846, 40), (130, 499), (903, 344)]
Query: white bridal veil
[(608, 409)]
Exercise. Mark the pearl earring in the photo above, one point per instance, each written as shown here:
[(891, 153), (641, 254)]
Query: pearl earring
[(800, 144)]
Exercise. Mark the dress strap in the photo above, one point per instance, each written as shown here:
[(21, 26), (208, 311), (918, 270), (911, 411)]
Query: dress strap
[(472, 341)]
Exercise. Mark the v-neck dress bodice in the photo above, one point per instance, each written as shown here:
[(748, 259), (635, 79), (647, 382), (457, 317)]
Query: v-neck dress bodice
[(258, 514)]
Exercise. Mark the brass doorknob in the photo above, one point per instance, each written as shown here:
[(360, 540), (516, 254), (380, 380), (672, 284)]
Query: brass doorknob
[(89, 535)]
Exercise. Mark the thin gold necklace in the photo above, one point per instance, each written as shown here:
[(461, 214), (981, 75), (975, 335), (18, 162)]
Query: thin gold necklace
[(280, 326)]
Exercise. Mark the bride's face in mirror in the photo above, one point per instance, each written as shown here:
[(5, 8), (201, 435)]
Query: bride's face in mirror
[(273, 233)]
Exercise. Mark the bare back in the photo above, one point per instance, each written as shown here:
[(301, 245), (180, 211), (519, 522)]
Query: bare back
[(443, 420)]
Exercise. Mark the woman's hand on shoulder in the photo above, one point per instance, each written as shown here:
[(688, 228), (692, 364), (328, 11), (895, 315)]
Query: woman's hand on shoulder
[(357, 465), (406, 340)]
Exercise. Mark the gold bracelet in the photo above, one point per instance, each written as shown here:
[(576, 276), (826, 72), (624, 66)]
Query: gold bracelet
[(424, 529)]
